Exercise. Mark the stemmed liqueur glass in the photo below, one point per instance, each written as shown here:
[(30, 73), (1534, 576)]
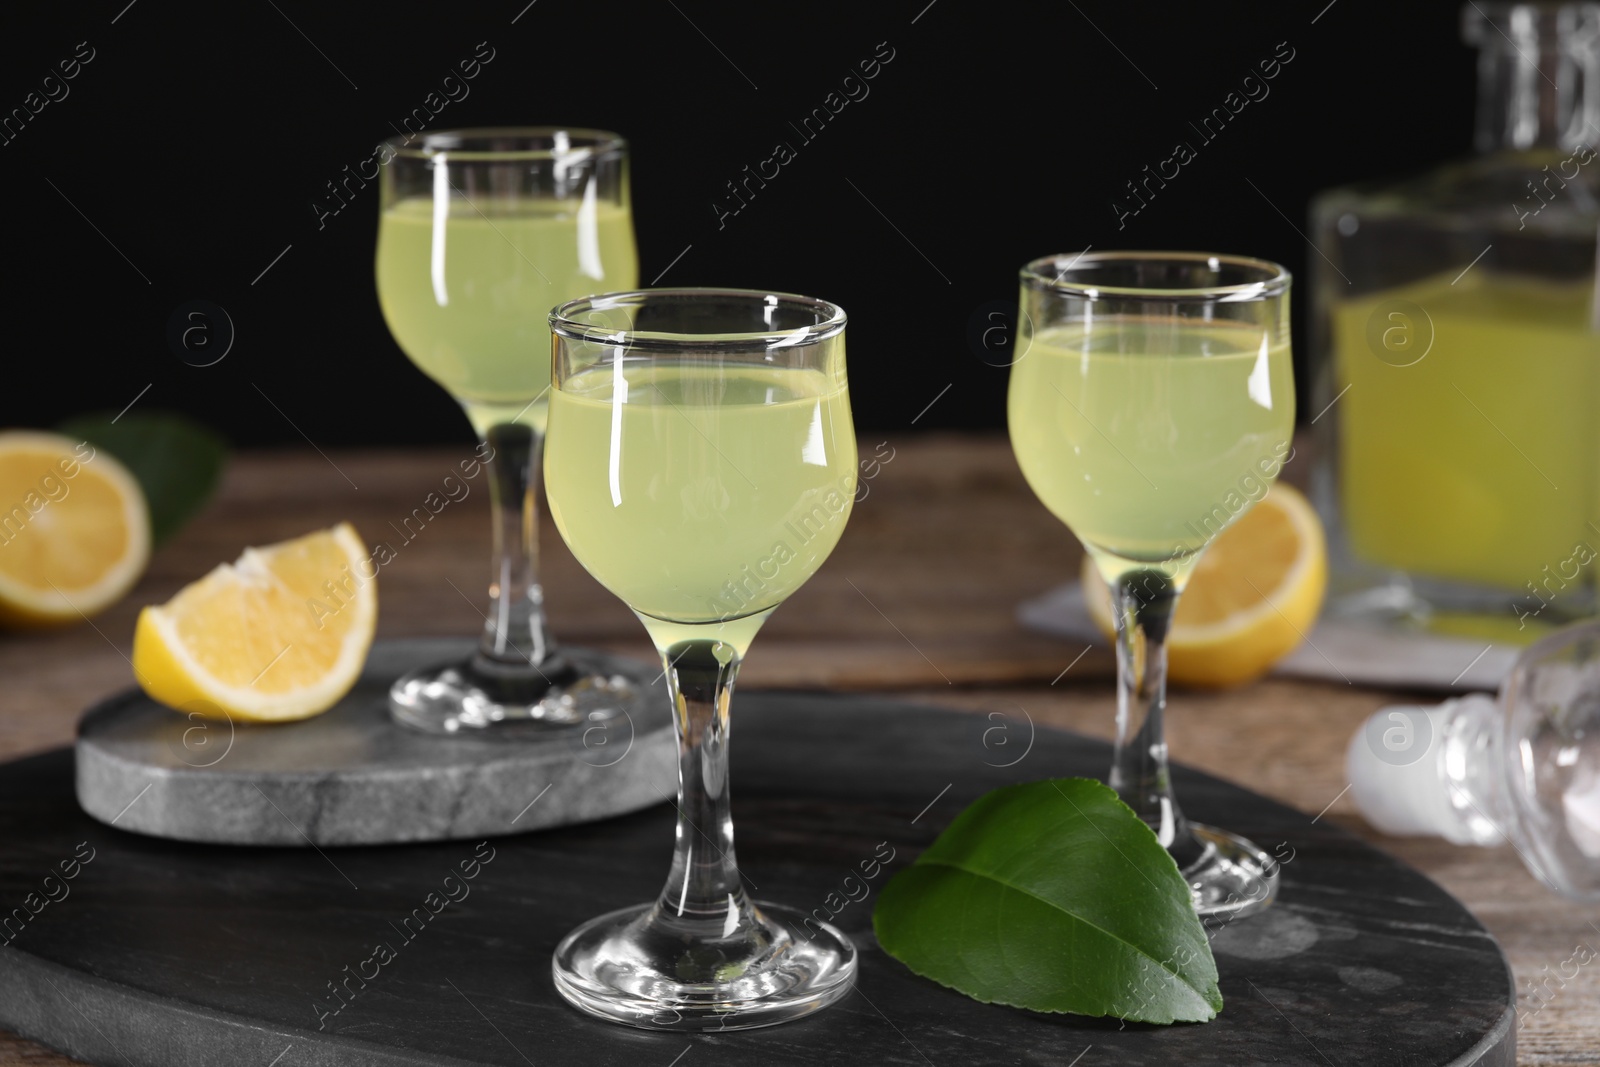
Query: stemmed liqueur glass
[(481, 233), (1152, 405), (702, 466)]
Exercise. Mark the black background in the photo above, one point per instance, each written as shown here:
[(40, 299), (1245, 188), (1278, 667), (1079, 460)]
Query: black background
[(198, 138)]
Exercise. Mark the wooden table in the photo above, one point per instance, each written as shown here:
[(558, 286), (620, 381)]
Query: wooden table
[(917, 601)]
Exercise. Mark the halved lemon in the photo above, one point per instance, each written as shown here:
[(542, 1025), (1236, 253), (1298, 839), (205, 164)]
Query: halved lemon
[(1253, 596), (74, 529), (281, 634)]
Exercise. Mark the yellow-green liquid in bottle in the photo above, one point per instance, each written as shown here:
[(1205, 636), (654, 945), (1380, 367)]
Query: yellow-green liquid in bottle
[(1479, 461), (1148, 436), (702, 494), (467, 289)]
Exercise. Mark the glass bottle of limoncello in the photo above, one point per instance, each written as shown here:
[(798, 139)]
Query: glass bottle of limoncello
[(1456, 358)]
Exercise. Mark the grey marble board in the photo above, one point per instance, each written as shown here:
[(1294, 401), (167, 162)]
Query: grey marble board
[(354, 776), (180, 955)]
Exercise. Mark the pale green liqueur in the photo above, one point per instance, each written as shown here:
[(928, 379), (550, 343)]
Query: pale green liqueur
[(467, 287), (1147, 436), (702, 493)]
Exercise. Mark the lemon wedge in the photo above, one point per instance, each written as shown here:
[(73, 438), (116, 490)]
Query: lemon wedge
[(279, 635), (74, 530), (1253, 596)]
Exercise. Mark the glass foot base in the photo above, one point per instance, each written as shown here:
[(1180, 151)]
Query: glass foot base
[(573, 688), (627, 968), (1232, 878)]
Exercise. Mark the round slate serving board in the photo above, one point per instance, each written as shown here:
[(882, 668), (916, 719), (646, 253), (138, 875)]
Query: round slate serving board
[(174, 954), (354, 776)]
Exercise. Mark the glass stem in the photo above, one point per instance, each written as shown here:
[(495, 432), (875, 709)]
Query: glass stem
[(1145, 600), (704, 897), (514, 634)]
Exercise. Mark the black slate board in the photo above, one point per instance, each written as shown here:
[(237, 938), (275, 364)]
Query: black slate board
[(173, 954)]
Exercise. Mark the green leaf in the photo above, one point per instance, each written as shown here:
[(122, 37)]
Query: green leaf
[(1053, 896), (177, 461)]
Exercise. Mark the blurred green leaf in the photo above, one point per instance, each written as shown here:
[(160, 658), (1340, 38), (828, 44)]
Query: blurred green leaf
[(177, 461)]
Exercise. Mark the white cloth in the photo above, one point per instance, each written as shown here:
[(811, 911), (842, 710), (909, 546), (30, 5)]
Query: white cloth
[(1336, 651)]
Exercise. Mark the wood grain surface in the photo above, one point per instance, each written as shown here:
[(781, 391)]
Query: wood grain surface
[(917, 601)]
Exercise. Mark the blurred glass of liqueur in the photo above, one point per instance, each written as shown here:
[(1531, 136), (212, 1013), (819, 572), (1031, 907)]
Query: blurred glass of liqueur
[(1456, 360)]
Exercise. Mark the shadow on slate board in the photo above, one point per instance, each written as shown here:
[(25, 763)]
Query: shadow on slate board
[(174, 954)]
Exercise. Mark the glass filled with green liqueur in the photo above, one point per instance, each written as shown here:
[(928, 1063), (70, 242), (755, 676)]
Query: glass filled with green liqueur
[(481, 233), (1148, 385), (702, 466)]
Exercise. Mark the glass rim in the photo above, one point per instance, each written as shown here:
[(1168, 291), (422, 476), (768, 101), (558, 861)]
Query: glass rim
[(1531, 655), (595, 144), (564, 322), (1046, 273)]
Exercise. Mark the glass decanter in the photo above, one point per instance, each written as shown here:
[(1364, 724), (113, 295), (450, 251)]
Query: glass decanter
[(1454, 356)]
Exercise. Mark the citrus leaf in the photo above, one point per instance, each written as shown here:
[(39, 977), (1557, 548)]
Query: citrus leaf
[(177, 461), (1053, 896)]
